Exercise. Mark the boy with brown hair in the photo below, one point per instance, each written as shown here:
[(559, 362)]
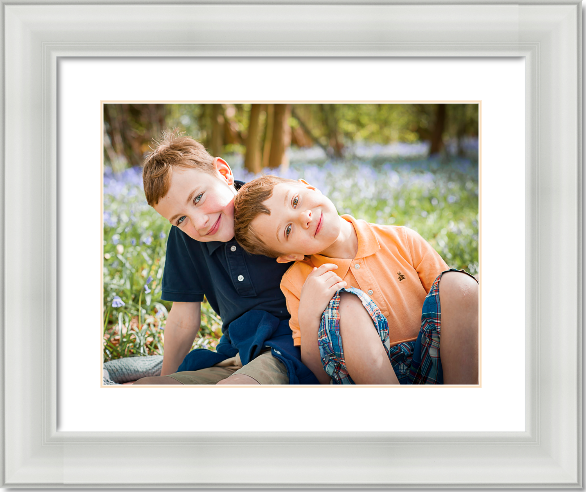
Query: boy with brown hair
[(195, 192), (349, 275)]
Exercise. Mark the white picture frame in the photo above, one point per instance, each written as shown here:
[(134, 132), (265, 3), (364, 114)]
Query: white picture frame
[(547, 35)]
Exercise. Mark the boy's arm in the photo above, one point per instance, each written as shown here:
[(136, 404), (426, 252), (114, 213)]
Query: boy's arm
[(306, 311), (182, 325), (306, 336)]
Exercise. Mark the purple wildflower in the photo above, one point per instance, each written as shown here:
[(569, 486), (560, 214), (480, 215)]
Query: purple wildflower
[(161, 311), (117, 302), (109, 219), (148, 281)]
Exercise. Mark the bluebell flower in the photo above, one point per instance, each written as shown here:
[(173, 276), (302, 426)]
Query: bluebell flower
[(133, 242), (109, 219), (161, 311), (148, 281), (162, 235), (117, 302), (148, 240)]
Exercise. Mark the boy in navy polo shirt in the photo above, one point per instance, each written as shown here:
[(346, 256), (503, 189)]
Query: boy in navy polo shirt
[(195, 192)]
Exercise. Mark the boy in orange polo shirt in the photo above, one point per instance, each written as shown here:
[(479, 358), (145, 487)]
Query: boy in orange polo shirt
[(349, 275)]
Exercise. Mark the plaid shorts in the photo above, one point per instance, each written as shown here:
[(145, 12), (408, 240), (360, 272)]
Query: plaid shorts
[(415, 362)]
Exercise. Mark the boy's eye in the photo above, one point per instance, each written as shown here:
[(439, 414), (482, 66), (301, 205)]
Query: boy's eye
[(295, 201), (196, 200), (288, 230)]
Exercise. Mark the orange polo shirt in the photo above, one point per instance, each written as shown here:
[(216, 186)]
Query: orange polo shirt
[(394, 265)]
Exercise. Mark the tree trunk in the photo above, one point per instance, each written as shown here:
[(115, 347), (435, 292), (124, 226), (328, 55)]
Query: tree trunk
[(217, 123), (231, 130), (252, 158), (337, 140), (206, 122), (266, 152), (109, 152), (281, 138), (130, 129), (331, 123), (437, 143), (308, 131), (299, 138)]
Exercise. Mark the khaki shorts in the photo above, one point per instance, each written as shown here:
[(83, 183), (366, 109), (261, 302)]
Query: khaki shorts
[(265, 369)]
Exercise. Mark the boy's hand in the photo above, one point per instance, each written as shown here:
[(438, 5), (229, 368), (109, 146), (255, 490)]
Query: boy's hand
[(318, 289)]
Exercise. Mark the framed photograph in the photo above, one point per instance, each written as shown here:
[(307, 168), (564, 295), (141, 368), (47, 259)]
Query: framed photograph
[(479, 411), (392, 165), (521, 427)]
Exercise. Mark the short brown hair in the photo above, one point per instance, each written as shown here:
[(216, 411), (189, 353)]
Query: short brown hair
[(172, 150), (248, 205)]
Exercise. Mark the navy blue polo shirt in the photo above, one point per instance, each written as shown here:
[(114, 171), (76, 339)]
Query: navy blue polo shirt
[(232, 280)]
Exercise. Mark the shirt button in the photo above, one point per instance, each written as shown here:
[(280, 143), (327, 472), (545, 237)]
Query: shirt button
[(370, 292), (357, 265), (240, 278), (233, 248)]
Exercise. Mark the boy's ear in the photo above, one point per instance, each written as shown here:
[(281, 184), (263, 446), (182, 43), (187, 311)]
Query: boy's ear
[(289, 258), (307, 184), (224, 169)]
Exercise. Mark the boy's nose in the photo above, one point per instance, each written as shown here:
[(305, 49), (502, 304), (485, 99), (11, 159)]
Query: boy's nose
[(202, 223), (306, 218)]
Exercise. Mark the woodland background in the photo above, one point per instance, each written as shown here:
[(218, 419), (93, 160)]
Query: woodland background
[(404, 164)]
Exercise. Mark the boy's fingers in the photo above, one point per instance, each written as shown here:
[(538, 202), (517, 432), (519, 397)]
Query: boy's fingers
[(337, 286), (326, 267), (334, 277)]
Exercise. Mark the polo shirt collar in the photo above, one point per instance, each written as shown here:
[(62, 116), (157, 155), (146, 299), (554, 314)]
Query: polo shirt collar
[(213, 246), (367, 245), (367, 242)]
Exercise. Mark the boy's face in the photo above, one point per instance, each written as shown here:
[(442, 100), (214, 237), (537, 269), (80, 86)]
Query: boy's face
[(201, 204), (302, 221)]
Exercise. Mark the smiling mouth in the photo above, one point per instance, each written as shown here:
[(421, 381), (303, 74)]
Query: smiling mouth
[(318, 228), (214, 228)]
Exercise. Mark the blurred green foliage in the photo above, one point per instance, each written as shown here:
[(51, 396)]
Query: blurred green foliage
[(129, 129)]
